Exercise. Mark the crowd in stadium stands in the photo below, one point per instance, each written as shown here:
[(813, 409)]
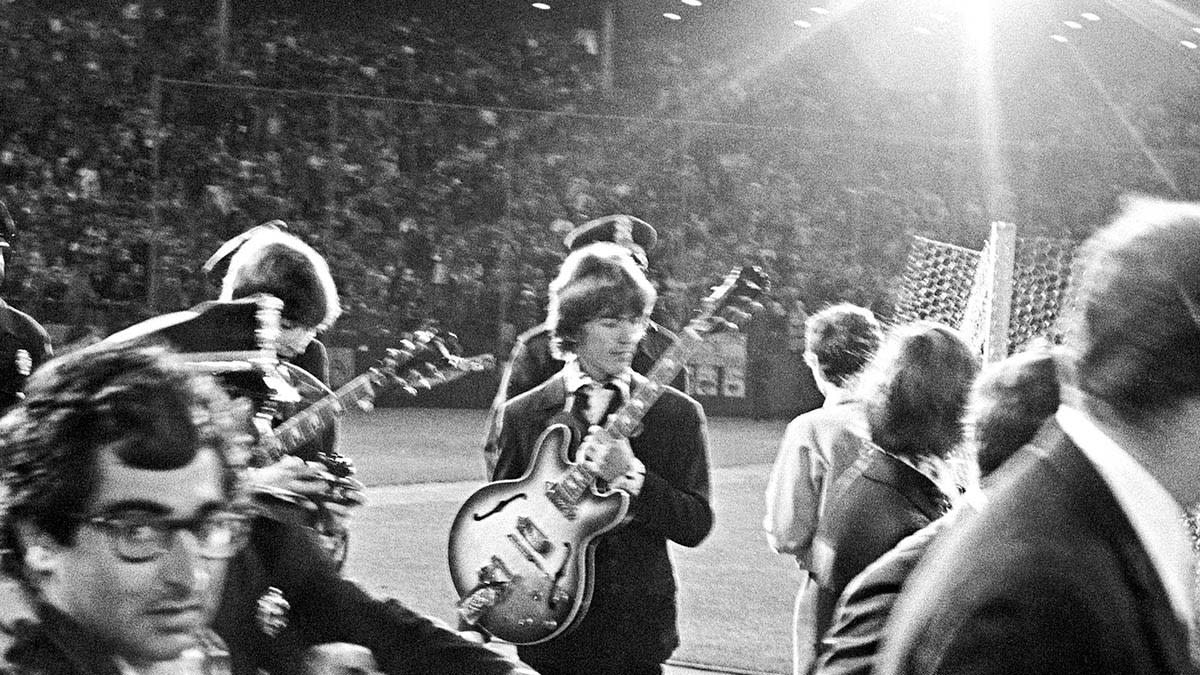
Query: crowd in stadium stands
[(441, 178)]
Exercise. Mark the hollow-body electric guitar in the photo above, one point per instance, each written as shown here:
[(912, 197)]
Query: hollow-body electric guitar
[(520, 551)]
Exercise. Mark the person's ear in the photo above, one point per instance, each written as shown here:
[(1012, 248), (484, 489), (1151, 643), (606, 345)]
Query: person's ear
[(41, 551)]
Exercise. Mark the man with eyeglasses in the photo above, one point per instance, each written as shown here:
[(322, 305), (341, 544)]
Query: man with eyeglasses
[(124, 522), (120, 514)]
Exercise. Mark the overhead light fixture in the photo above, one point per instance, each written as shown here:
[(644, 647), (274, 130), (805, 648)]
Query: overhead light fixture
[(1090, 17), (540, 5), (1073, 24), (1059, 38), (1196, 29), (819, 10), (693, 3), (672, 16), (1188, 43), (802, 23)]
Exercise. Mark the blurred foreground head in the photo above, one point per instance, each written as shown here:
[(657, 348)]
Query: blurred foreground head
[(1135, 335), (120, 485)]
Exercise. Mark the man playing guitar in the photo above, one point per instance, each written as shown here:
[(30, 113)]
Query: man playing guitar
[(599, 307)]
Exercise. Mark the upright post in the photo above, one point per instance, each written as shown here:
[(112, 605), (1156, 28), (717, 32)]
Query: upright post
[(998, 313)]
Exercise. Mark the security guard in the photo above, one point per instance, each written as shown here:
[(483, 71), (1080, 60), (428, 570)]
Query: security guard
[(24, 343), (531, 362)]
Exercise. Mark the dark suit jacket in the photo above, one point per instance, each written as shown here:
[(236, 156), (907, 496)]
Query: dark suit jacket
[(323, 607), (853, 639), (633, 602), (1048, 578), (877, 502)]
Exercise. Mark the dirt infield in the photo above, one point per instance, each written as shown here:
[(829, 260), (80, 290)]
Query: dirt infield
[(735, 594)]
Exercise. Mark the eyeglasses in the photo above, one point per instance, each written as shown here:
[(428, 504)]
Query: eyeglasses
[(219, 534)]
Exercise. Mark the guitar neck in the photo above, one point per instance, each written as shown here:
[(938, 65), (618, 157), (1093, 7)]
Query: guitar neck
[(626, 420), (307, 425)]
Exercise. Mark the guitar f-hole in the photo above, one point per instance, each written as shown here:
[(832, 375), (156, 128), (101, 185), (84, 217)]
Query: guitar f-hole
[(499, 506)]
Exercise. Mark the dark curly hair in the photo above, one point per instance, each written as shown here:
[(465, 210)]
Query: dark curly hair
[(842, 337), (138, 402)]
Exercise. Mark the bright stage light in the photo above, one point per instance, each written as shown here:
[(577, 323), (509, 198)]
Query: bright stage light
[(672, 16), (819, 10), (802, 23), (1188, 43), (1090, 17), (540, 5), (1073, 24), (1059, 38), (693, 3)]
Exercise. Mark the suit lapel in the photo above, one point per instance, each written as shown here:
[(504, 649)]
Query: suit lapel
[(1165, 633)]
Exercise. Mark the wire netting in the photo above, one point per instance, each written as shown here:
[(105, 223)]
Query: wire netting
[(953, 285)]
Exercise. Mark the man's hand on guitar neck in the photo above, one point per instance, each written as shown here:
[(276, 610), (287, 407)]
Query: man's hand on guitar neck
[(611, 458)]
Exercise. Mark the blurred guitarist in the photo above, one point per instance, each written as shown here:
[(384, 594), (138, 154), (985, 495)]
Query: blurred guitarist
[(532, 361), (599, 309), (268, 261)]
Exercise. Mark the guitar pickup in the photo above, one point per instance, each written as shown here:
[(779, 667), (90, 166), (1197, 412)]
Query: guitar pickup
[(534, 536)]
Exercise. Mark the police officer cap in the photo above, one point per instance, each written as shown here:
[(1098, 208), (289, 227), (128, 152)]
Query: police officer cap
[(633, 233)]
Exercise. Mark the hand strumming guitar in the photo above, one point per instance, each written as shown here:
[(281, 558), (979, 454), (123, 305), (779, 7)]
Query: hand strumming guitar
[(612, 459)]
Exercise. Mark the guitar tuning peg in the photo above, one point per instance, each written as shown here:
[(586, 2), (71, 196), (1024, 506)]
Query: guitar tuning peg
[(737, 315), (366, 405), (416, 381)]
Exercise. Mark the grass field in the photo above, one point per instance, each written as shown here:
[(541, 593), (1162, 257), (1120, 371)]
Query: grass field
[(735, 593)]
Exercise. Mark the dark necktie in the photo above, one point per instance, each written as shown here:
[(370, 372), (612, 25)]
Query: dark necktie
[(588, 411)]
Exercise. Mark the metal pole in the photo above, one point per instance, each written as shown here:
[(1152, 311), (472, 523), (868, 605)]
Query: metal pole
[(223, 14), (607, 29), (156, 97)]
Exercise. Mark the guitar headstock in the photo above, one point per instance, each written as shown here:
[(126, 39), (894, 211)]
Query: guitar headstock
[(427, 359), (733, 301)]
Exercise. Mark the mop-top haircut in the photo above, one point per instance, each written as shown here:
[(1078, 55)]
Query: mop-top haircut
[(280, 264), (600, 280)]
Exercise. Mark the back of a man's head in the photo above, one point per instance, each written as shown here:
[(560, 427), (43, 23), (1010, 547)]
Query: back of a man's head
[(842, 338), (138, 403), (1136, 330), (1009, 402)]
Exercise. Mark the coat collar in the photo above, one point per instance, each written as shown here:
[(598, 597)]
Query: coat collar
[(915, 486)]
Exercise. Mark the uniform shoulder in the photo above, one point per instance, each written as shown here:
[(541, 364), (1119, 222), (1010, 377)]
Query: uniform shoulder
[(538, 332)]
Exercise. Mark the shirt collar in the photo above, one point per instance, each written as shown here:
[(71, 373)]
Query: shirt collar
[(575, 379), (1157, 519)]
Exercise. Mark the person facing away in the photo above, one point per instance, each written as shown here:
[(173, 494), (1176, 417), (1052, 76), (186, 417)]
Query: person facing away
[(916, 391), (24, 343), (532, 360), (1081, 561), (599, 306), (1007, 405), (126, 522), (816, 448)]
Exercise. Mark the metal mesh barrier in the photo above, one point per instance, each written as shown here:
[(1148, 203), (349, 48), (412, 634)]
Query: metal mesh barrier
[(955, 285)]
